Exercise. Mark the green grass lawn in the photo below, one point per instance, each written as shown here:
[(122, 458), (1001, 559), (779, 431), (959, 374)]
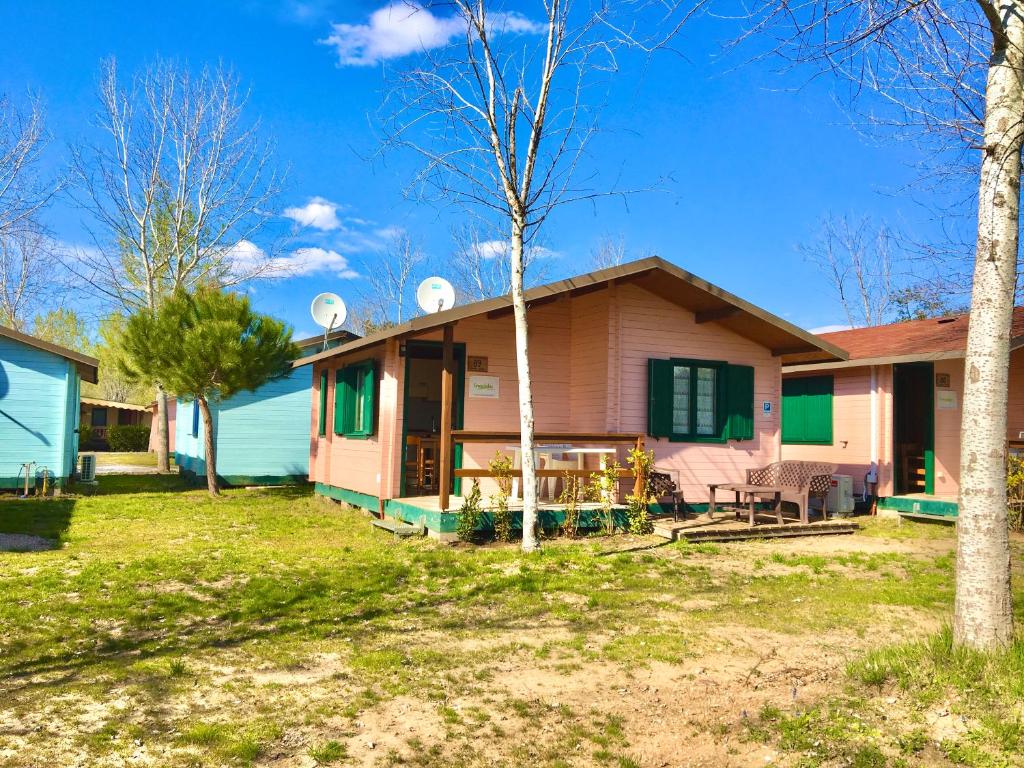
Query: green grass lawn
[(276, 628), (134, 459)]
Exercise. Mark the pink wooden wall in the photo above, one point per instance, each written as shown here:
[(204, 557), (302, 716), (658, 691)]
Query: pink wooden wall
[(172, 413)]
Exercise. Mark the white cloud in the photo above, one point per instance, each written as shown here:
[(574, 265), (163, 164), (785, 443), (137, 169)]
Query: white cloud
[(830, 328), (318, 213), (400, 28), (490, 249), (309, 261), (245, 253)]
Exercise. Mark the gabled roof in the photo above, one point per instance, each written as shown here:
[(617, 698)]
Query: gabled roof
[(929, 339), (88, 367), (114, 404), (708, 302), (341, 336)]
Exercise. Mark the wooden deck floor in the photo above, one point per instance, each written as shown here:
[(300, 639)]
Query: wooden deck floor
[(725, 527)]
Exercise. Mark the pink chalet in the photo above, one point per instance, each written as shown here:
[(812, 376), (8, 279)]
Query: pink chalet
[(640, 352), (889, 416)]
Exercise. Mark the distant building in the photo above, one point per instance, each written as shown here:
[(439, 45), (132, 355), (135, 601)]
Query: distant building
[(39, 410), (100, 415), (262, 437)]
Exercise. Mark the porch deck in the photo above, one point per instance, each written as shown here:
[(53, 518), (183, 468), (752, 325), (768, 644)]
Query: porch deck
[(426, 511), (923, 505)]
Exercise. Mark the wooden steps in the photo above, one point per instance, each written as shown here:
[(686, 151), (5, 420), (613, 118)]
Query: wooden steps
[(397, 527), (731, 531)]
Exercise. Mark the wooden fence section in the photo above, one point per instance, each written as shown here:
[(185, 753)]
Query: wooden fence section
[(446, 471)]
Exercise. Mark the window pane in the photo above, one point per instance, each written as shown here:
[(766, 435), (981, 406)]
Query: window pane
[(681, 399), (706, 401), (357, 399)]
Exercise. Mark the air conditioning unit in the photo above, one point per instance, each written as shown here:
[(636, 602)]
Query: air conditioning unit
[(840, 496), (87, 467)]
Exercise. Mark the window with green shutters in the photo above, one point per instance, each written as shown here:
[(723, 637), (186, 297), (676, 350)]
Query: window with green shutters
[(700, 400), (322, 428), (354, 394), (807, 410)]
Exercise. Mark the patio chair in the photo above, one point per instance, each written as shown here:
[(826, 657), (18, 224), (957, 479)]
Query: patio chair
[(663, 486), (797, 482)]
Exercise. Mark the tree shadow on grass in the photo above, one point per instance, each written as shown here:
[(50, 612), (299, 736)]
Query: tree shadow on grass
[(48, 518)]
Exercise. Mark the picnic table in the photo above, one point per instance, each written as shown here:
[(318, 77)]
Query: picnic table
[(747, 496)]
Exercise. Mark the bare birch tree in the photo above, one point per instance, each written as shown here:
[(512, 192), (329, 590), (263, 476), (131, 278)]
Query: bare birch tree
[(481, 264), (502, 121), (391, 276), (856, 259), (29, 274), (954, 73), (176, 190), (23, 191)]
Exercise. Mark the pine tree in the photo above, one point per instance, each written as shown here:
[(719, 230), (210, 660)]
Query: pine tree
[(209, 345)]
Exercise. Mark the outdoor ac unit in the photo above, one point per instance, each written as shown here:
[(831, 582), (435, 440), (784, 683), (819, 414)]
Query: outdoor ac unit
[(87, 467), (840, 495)]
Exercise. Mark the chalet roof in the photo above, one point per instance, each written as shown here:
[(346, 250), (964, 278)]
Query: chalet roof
[(708, 302), (913, 340), (114, 404), (88, 367)]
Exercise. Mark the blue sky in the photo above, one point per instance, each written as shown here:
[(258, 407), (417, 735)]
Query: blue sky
[(755, 157)]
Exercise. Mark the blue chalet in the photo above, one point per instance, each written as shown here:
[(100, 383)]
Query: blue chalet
[(39, 388), (262, 437)]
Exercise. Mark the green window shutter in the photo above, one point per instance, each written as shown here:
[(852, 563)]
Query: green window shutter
[(342, 397), (739, 402), (659, 398), (322, 427), (369, 396), (807, 410)]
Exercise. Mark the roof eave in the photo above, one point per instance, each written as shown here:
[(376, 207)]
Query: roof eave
[(862, 362)]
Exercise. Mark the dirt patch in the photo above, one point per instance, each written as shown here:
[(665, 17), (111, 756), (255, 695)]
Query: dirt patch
[(22, 542)]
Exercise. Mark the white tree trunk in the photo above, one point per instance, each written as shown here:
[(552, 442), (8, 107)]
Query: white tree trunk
[(531, 542), (163, 445), (983, 615)]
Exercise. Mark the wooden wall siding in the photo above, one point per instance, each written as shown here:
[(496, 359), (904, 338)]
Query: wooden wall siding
[(653, 327), (259, 434), (1015, 413), (851, 427), (354, 464), (38, 411), (590, 383), (172, 429)]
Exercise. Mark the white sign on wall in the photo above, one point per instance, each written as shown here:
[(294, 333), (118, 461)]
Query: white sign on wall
[(945, 399), (484, 386)]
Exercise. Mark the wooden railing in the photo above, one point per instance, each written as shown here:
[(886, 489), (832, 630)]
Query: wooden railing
[(446, 472)]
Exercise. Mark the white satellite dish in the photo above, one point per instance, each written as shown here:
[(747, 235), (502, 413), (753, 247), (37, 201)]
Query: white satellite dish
[(328, 310), (435, 294)]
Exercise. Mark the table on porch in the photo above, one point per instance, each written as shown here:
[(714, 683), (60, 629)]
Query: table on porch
[(750, 495)]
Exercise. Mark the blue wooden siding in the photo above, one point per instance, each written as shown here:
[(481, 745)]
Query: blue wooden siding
[(38, 411), (262, 436)]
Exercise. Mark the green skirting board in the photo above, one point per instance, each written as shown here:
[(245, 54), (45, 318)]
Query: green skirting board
[(912, 505)]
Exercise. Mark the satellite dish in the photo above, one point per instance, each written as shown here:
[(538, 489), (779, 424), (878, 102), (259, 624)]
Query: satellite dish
[(435, 294), (328, 311)]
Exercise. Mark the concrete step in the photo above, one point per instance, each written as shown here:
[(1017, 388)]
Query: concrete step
[(733, 531), (397, 527)]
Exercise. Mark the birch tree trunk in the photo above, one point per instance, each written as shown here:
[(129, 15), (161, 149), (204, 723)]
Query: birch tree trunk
[(530, 540), (983, 615), (163, 448), (211, 455)]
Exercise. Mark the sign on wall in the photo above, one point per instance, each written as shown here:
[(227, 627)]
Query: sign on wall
[(476, 364), (945, 399), (942, 380), (484, 386), (766, 408)]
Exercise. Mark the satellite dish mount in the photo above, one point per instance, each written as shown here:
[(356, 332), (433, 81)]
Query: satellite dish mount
[(328, 311), (435, 294)]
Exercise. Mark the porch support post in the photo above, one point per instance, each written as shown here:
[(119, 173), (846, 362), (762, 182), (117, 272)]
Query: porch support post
[(447, 388), (639, 481)]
